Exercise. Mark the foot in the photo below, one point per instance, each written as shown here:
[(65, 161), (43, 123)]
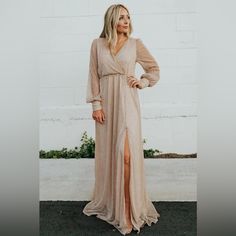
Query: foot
[(128, 217), (129, 226)]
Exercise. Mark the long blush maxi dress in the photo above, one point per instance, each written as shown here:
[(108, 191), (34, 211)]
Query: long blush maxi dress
[(108, 88)]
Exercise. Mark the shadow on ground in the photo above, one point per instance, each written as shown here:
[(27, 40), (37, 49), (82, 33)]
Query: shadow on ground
[(66, 218)]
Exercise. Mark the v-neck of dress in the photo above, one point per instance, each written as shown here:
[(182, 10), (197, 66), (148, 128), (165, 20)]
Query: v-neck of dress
[(119, 51)]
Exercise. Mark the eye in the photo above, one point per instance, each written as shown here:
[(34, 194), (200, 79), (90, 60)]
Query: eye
[(123, 17)]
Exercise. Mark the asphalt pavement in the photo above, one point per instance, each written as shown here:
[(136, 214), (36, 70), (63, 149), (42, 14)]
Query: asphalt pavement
[(65, 218)]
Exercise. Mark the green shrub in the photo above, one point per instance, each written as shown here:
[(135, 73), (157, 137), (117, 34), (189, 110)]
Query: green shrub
[(86, 150), (149, 153)]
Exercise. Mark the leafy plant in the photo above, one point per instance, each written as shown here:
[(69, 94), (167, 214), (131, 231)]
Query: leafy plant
[(149, 153), (86, 150), (55, 154)]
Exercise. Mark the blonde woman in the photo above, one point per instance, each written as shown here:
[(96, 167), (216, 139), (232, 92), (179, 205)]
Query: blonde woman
[(120, 196)]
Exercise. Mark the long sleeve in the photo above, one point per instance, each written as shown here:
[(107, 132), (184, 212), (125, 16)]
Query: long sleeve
[(93, 85), (149, 64)]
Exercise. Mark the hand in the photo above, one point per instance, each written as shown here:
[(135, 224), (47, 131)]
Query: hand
[(99, 116), (133, 82)]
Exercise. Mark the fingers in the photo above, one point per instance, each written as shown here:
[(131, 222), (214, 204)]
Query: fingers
[(99, 119), (103, 116), (99, 116), (133, 82)]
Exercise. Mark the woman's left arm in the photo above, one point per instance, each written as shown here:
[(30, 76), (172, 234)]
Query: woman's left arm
[(149, 64)]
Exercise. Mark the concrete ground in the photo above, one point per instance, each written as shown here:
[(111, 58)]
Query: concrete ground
[(73, 179), (65, 218)]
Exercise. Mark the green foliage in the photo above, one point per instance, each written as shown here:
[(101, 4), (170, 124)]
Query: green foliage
[(56, 154), (149, 153), (86, 150)]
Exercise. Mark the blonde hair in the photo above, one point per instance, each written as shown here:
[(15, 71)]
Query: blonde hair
[(111, 19)]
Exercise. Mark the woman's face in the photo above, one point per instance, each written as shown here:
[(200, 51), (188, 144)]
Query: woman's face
[(124, 21)]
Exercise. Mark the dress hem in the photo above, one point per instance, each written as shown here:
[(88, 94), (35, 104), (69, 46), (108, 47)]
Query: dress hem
[(135, 228)]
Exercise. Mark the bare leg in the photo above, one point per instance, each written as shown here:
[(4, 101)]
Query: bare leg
[(127, 177)]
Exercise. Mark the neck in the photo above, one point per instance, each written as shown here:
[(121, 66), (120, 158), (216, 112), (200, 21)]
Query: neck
[(121, 36)]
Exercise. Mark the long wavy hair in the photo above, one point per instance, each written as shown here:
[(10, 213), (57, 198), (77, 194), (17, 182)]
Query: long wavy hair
[(111, 19)]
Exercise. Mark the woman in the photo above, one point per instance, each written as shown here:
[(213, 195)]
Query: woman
[(120, 195)]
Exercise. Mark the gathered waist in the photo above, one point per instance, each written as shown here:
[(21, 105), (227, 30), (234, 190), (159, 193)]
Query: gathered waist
[(118, 73)]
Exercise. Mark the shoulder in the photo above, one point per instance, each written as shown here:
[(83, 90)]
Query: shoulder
[(96, 39), (94, 43), (139, 44), (99, 41), (136, 39)]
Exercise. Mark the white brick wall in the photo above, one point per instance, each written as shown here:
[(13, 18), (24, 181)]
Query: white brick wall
[(169, 110), (166, 179)]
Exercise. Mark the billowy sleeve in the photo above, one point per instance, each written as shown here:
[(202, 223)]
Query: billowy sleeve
[(149, 64), (93, 84)]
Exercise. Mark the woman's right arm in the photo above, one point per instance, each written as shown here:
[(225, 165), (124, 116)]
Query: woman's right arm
[(93, 85)]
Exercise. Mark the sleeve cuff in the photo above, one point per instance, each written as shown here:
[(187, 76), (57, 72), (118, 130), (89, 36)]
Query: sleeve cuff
[(96, 105), (144, 82)]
